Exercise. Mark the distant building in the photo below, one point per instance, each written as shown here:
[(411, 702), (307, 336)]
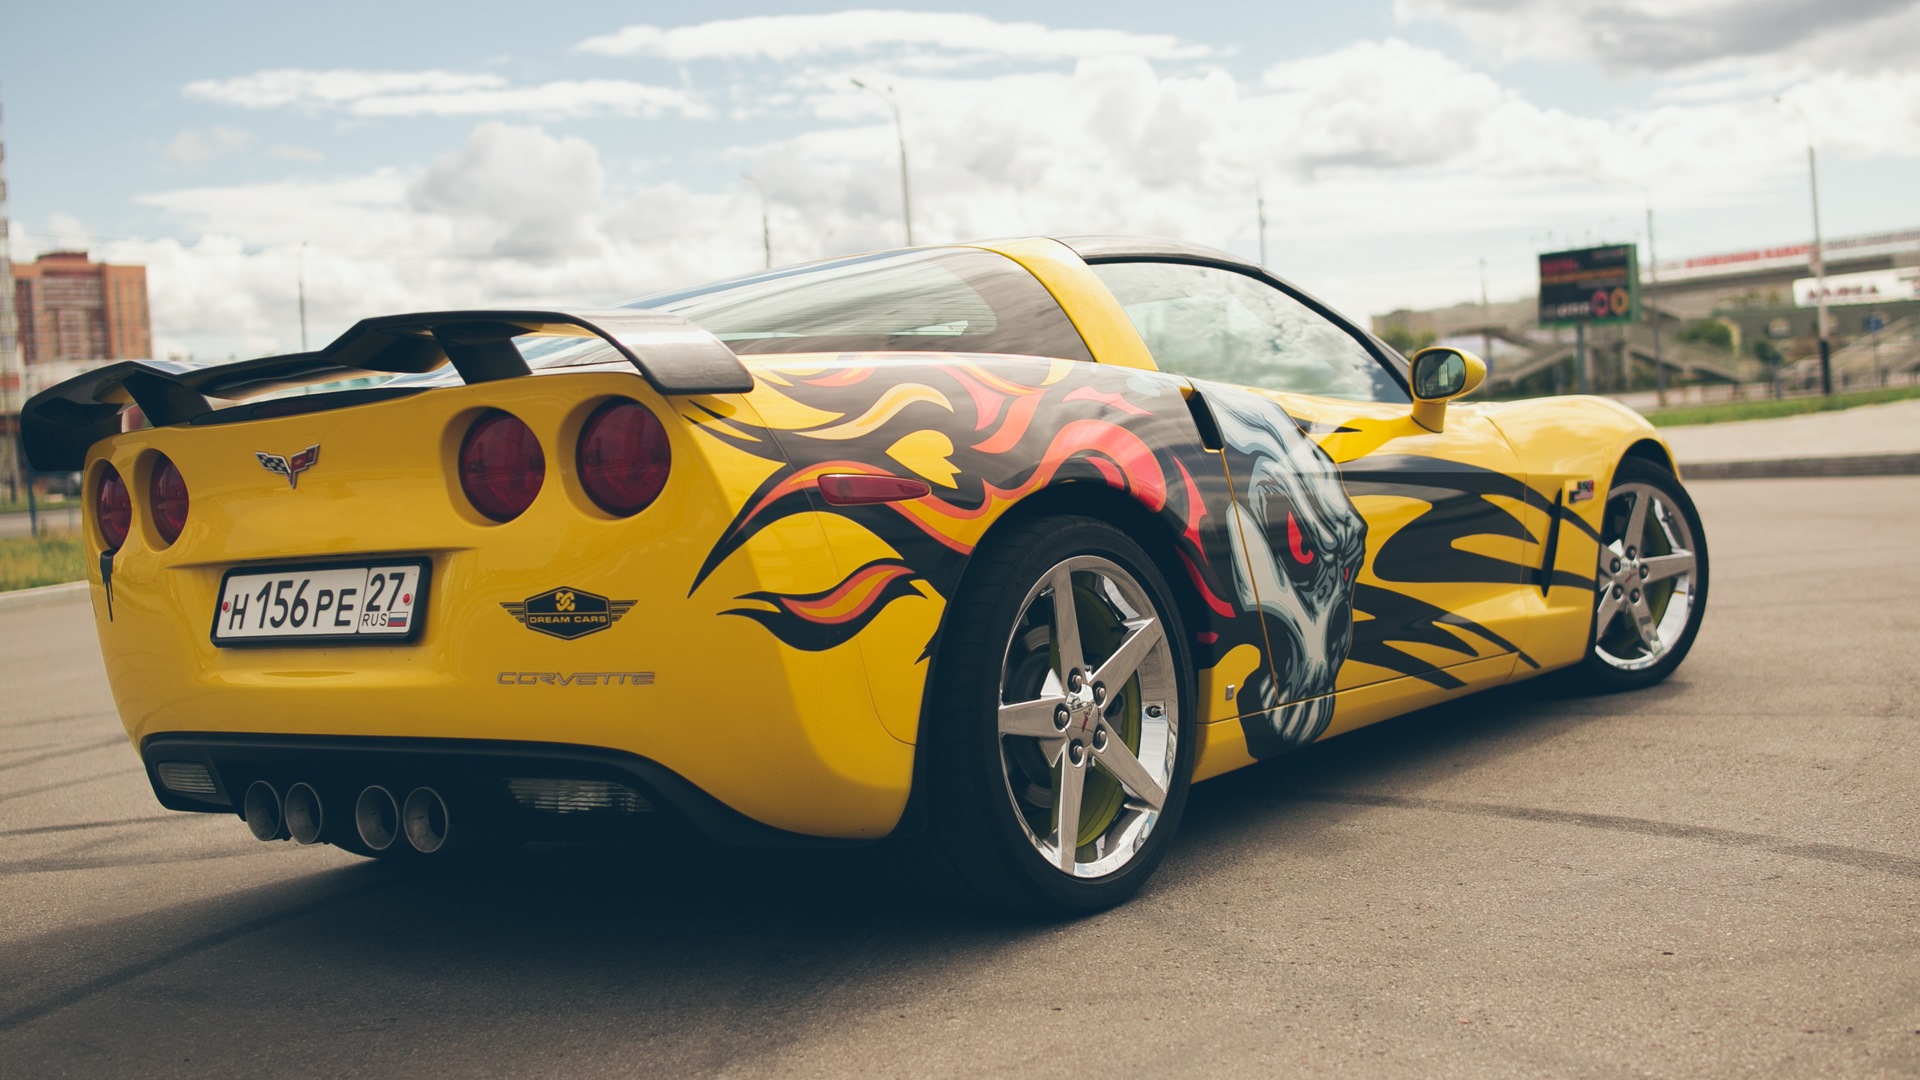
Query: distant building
[(1762, 300), (71, 308)]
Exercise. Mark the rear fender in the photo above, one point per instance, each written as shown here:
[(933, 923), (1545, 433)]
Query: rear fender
[(990, 436)]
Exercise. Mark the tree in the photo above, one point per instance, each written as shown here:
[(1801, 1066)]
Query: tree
[(1406, 341), (1710, 332)]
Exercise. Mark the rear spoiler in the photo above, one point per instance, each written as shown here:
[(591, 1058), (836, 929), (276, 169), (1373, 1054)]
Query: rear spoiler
[(674, 355)]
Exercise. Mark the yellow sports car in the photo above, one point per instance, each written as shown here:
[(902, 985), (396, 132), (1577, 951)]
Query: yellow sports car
[(989, 549)]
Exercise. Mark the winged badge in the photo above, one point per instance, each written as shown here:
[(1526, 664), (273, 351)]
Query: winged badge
[(290, 467)]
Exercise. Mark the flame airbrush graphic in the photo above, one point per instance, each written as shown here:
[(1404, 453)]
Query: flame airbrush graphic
[(983, 433)]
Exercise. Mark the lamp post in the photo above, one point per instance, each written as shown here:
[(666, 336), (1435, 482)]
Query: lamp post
[(1260, 214), (900, 131), (766, 230), (1653, 316), (1819, 259), (302, 279)]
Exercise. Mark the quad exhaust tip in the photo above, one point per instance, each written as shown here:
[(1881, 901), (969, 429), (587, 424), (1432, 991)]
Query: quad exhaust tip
[(261, 811), (305, 815), (377, 817), (424, 817)]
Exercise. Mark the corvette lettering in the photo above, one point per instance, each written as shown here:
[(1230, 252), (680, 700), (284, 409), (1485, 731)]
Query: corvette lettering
[(575, 678)]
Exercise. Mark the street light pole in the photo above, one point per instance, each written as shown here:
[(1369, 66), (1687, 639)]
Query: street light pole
[(1260, 212), (1653, 316), (1819, 256), (900, 132), (303, 295), (766, 230)]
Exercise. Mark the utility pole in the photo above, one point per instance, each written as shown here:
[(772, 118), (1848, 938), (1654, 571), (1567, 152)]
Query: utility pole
[(1820, 277), (1486, 320), (900, 132), (1817, 258), (1582, 367), (1260, 211), (303, 295), (1653, 317), (766, 230), (13, 368)]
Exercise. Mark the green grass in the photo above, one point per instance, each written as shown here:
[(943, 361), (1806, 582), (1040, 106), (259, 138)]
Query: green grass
[(28, 562), (1767, 408), (46, 506)]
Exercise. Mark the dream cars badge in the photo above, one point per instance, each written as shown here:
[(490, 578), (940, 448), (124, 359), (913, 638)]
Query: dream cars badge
[(568, 612)]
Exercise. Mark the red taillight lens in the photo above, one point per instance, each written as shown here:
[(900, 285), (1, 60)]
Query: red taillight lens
[(167, 495), (113, 508), (623, 457), (501, 466)]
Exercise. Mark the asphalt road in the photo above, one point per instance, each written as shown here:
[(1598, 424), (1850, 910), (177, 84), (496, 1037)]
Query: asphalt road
[(1717, 877)]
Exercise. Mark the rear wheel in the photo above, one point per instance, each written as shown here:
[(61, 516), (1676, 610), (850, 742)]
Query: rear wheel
[(1651, 584), (1058, 737)]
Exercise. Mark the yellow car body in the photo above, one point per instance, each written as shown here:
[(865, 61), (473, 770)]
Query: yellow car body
[(775, 662)]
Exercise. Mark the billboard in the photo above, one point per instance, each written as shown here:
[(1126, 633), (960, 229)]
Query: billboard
[(1599, 286), (1868, 287)]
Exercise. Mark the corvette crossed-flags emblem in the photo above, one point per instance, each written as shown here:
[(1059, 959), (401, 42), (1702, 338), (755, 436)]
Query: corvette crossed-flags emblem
[(292, 466)]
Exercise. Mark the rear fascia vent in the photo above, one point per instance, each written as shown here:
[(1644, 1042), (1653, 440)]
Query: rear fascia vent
[(556, 796), (186, 777)]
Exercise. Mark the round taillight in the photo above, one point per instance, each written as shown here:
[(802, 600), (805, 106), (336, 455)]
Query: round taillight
[(113, 508), (623, 457), (167, 495), (501, 465)]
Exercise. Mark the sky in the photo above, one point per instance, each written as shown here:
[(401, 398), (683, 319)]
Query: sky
[(421, 155)]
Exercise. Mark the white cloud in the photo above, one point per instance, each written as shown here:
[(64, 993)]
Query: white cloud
[(442, 93), (518, 191), (1662, 36), (193, 147), (284, 87), (790, 37), (1367, 153)]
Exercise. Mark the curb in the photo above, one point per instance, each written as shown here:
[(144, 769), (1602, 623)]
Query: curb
[(1852, 465), (21, 599)]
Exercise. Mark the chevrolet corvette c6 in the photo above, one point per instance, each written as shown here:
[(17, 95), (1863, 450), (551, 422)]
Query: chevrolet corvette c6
[(989, 549)]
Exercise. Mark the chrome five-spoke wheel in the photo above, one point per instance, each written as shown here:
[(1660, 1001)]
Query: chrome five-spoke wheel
[(1088, 717), (1056, 739), (1646, 579), (1650, 585)]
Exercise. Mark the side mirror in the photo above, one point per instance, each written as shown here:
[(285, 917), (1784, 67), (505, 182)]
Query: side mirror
[(1441, 374)]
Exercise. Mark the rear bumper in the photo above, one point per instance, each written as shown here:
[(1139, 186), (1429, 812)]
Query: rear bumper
[(474, 771)]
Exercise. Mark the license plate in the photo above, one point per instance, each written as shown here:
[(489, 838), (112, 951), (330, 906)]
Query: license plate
[(382, 601)]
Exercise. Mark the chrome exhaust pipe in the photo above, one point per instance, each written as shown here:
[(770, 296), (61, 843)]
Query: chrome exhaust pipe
[(261, 811), (305, 815), (377, 817), (424, 817)]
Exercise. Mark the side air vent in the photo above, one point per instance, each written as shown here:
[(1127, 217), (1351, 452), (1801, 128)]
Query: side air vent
[(1203, 419)]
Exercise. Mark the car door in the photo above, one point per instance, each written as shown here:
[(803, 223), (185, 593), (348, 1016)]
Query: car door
[(1440, 597)]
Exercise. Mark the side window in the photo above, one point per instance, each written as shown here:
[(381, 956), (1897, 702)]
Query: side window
[(1209, 323)]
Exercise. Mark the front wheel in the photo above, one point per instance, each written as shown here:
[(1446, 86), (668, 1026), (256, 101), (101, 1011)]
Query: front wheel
[(1650, 589), (1059, 736)]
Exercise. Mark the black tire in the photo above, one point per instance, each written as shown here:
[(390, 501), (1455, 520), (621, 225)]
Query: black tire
[(979, 844), (1604, 669)]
